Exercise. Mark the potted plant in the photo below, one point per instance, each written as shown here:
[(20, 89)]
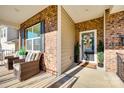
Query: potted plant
[(100, 58), (100, 53), (76, 53), (22, 53)]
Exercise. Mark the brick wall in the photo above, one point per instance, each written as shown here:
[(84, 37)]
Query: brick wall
[(91, 25), (114, 25), (111, 59), (49, 14)]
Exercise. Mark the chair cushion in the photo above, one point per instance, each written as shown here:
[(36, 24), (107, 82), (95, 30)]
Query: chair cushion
[(27, 57), (33, 57), (16, 66), (37, 57)]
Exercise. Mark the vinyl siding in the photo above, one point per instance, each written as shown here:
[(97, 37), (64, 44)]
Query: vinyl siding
[(67, 40)]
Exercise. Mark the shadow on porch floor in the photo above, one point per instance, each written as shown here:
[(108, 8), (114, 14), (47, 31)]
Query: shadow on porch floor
[(87, 78), (7, 79)]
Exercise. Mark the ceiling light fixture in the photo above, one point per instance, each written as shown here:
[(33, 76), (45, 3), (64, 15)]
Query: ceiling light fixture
[(86, 10), (17, 10)]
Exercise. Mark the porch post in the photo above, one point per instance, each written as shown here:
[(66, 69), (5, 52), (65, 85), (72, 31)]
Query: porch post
[(59, 41), (104, 17)]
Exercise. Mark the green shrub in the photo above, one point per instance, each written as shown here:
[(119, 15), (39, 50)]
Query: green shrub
[(100, 46), (76, 49), (22, 51), (100, 56)]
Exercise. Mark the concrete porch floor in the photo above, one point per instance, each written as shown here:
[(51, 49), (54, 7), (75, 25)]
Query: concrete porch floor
[(97, 78), (87, 78)]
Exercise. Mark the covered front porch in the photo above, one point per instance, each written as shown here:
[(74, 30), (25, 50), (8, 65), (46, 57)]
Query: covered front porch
[(70, 46)]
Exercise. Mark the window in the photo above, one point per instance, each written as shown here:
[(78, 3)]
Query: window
[(22, 39), (4, 33), (37, 44), (36, 30), (29, 44), (1, 33), (29, 33), (34, 38)]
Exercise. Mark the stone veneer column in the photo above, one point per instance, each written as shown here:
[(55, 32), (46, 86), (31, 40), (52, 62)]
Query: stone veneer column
[(50, 52), (111, 59)]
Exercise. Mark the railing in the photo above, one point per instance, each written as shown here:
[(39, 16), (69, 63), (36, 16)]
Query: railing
[(120, 66), (4, 53)]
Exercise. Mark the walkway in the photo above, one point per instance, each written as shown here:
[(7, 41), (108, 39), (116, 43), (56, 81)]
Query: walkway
[(97, 78)]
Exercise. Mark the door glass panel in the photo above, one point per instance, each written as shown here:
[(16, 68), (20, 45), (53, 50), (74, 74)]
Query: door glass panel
[(88, 46)]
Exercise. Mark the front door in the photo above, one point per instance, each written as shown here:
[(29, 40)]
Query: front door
[(88, 46)]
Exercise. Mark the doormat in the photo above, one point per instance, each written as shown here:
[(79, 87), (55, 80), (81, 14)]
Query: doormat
[(88, 65)]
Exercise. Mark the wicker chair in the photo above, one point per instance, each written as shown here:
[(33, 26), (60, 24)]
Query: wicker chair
[(26, 68), (120, 66)]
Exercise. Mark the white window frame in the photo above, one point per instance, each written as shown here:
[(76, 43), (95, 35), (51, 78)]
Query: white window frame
[(32, 39)]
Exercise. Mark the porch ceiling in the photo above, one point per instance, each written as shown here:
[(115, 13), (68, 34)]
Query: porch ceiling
[(81, 13), (16, 14), (117, 8)]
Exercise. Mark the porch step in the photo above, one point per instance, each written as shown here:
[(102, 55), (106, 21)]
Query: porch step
[(69, 83), (62, 81), (65, 80)]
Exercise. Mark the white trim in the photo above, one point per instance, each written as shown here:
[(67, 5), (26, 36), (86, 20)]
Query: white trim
[(32, 39), (95, 42), (59, 42), (104, 40)]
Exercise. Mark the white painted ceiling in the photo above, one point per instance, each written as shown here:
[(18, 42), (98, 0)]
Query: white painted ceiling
[(80, 13), (16, 14), (117, 8)]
